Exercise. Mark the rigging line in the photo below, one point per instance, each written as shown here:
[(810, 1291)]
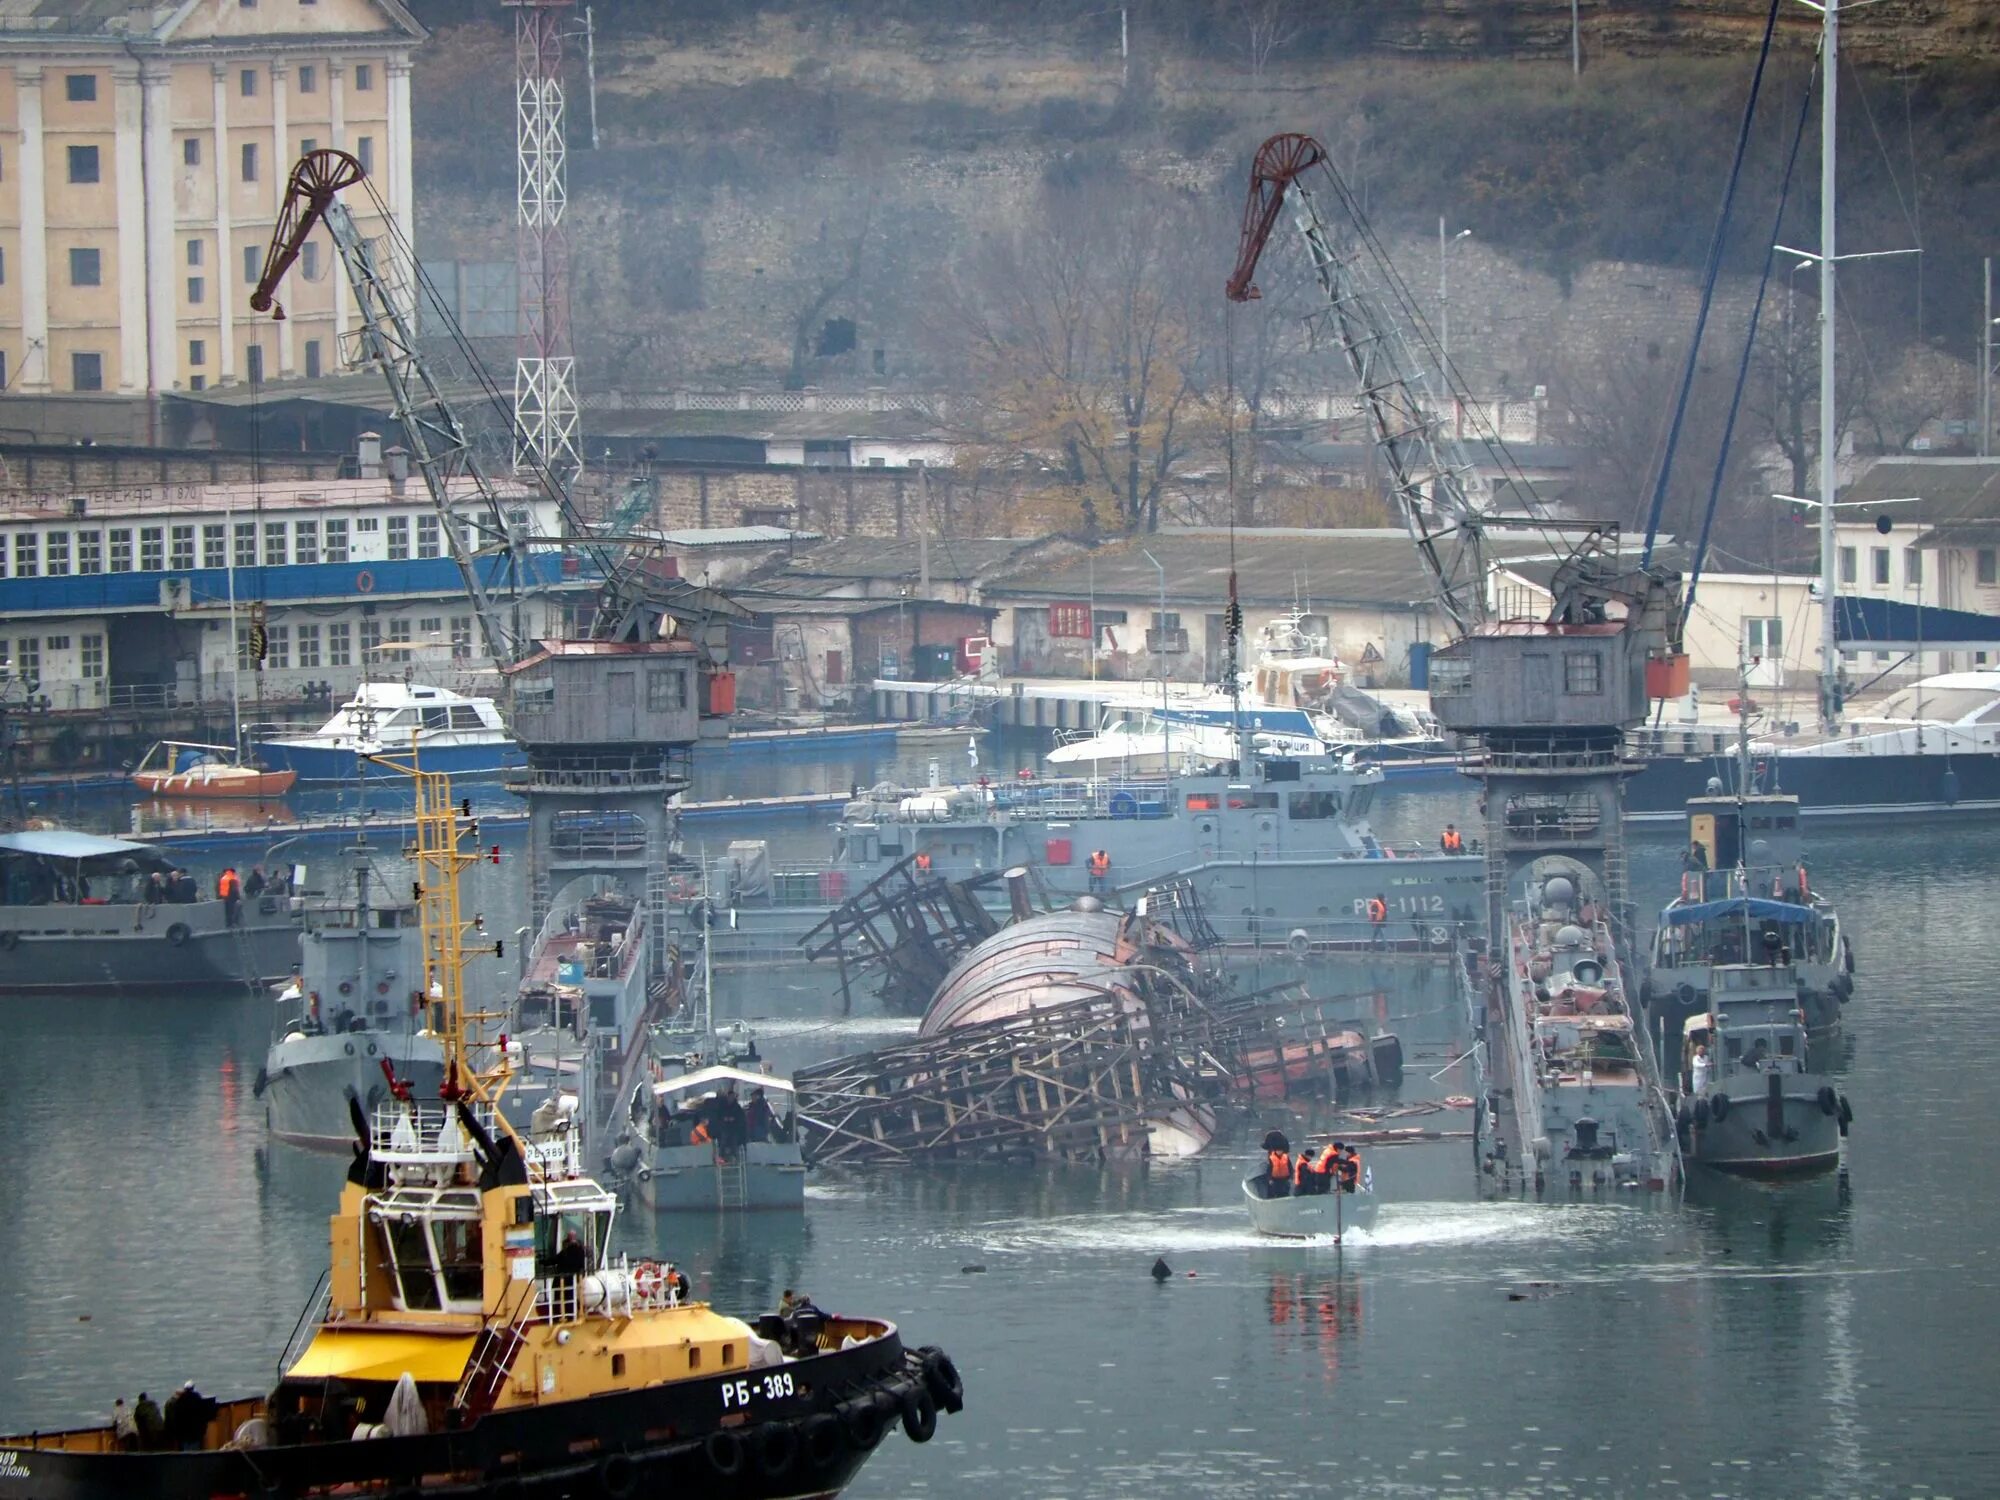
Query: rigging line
[(1749, 347), (1710, 273)]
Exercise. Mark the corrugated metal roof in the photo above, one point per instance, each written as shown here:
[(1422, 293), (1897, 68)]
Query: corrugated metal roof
[(1946, 489), (958, 559)]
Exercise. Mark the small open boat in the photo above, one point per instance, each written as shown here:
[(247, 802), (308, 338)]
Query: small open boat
[(1327, 1215), (181, 768)]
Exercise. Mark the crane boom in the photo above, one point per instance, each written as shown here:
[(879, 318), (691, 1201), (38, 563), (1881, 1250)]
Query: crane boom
[(1428, 471), (439, 447)]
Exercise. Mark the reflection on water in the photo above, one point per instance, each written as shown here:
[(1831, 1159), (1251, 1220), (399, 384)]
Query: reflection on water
[(1807, 1339)]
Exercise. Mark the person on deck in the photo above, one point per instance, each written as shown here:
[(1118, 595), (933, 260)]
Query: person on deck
[(758, 1121), (1350, 1169), (1451, 841), (1100, 871), (1378, 920), (572, 1259), (1698, 1069), (229, 886), (148, 1422), (1277, 1165), (124, 1431), (254, 882)]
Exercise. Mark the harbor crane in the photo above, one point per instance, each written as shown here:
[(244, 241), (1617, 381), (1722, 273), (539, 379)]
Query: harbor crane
[(1372, 318), (495, 554)]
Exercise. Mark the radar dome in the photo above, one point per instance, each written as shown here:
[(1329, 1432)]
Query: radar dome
[(1558, 890), (1569, 935)]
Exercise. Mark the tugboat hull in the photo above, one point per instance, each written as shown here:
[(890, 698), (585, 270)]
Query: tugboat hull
[(1780, 1134), (807, 1428)]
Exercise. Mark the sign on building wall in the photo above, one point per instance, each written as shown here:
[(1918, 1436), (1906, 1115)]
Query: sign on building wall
[(1069, 622)]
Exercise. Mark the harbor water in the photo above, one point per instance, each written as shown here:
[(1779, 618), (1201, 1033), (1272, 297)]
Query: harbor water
[(1827, 1338)]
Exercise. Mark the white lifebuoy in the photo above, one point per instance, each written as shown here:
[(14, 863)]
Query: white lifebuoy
[(364, 582), (647, 1279)]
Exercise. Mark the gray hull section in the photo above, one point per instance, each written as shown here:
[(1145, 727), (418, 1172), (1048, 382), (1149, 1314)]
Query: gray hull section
[(1318, 1216), (306, 1080), (180, 947), (1807, 1138), (687, 1179)]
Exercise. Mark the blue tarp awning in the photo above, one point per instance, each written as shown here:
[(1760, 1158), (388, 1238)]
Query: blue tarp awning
[(1891, 625), (1737, 906)]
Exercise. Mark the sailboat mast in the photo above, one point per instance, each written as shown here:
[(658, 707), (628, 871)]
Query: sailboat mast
[(235, 645), (1829, 644)]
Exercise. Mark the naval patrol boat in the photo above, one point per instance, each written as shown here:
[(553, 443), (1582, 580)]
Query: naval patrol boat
[(79, 912), (354, 1017), (1749, 1101), (475, 1335), (1269, 843)]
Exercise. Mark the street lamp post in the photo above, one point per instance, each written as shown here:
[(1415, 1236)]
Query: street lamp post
[(1444, 293), (1160, 634)]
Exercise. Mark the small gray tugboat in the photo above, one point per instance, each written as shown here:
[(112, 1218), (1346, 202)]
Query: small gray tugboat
[(719, 1139), (476, 1330), (83, 912), (1748, 1102), (354, 1016)]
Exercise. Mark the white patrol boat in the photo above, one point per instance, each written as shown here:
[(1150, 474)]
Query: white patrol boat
[(462, 737)]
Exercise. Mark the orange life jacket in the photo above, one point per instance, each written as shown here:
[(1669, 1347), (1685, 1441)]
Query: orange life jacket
[(1281, 1166), (1302, 1169), (1350, 1169), (228, 885), (923, 864), (699, 1136), (1453, 841), (1378, 910), (1100, 862), (1329, 1160)]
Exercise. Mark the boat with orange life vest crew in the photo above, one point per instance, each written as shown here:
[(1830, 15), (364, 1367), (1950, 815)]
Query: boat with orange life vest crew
[(475, 1328), (1320, 1194)]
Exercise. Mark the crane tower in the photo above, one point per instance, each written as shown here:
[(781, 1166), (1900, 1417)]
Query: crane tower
[(545, 404)]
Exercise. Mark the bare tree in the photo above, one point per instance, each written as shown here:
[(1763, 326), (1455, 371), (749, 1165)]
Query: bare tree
[(1264, 26), (1076, 351)]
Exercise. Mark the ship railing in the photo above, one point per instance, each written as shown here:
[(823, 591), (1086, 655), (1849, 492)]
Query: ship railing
[(310, 1317), (1554, 755), (423, 1131)]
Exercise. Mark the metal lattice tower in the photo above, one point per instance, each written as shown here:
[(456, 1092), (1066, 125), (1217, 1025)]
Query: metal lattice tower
[(545, 404)]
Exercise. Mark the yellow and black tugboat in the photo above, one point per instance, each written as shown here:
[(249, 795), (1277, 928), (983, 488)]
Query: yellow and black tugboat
[(476, 1338)]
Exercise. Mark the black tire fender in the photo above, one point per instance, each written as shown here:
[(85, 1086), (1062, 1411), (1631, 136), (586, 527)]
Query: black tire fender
[(942, 1377), (1718, 1106), (178, 934), (1700, 1113), (1829, 1101), (350, 1048), (920, 1415), (777, 1449), (863, 1422), (1846, 1112), (724, 1450), (820, 1436), (618, 1476)]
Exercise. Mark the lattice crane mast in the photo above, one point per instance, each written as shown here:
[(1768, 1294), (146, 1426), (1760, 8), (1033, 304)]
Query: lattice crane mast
[(634, 601), (1429, 474), (439, 447)]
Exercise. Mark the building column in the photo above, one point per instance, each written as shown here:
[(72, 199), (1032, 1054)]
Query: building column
[(401, 200), (128, 166), (336, 104), (34, 374), (163, 357), (281, 166), (224, 277)]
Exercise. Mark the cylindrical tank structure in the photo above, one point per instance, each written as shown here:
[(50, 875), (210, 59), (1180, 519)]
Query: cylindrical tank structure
[(1047, 960)]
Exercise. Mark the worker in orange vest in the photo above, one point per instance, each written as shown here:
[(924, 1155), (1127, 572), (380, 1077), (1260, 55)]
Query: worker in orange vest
[(1100, 870), (1328, 1165), (923, 864), (1349, 1168), (230, 888), (1451, 841), (1378, 919), (1278, 1164)]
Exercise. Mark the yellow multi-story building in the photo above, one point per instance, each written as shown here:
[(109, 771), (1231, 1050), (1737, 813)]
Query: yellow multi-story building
[(143, 155)]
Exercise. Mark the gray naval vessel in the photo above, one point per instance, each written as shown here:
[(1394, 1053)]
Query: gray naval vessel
[(1746, 889), (1270, 845), (79, 912), (1749, 1102), (355, 1004)]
